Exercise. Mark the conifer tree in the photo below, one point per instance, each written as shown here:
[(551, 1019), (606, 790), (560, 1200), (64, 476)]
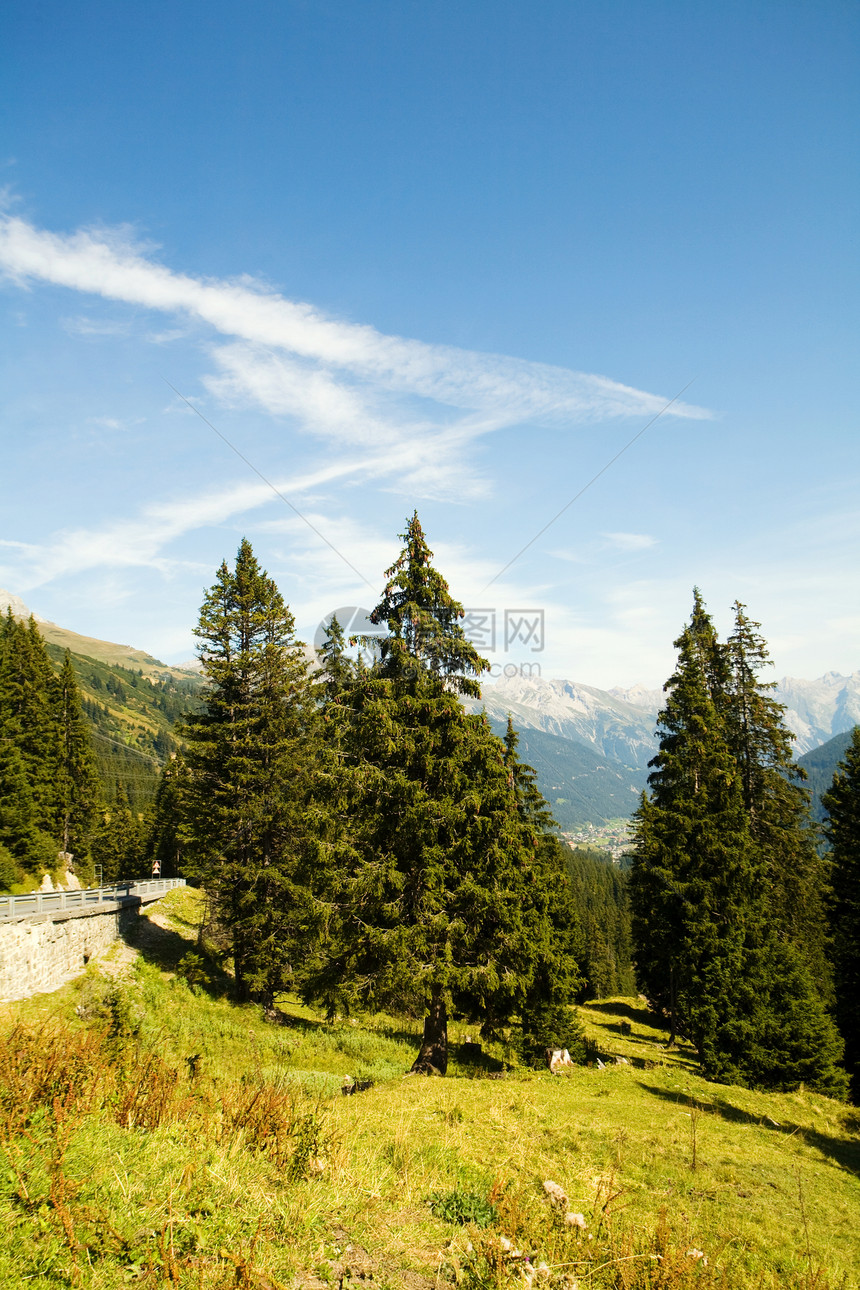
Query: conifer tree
[(30, 849), (708, 951), (423, 622), (168, 836), (336, 667), (29, 719), (430, 908), (842, 804), (118, 842), (253, 839), (78, 788), (692, 875), (792, 872)]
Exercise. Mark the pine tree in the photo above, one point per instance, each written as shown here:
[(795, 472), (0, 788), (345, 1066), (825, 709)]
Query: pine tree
[(118, 842), (31, 850), (423, 621), (431, 907), (337, 669), (78, 788), (791, 870), (691, 880), (708, 951), (29, 719), (168, 836), (253, 839), (842, 804)]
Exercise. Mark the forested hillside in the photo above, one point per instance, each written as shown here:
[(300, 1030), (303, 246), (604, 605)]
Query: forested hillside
[(581, 786), (600, 895), (820, 765), (131, 716)]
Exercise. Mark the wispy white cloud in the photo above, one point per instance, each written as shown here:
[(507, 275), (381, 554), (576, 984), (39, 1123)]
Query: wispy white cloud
[(328, 372), (629, 541), (108, 263), (400, 412), (142, 540), (83, 326), (115, 423)]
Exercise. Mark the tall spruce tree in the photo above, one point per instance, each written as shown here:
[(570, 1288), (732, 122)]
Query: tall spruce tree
[(168, 837), (78, 788), (28, 717), (29, 849), (336, 667), (118, 842), (691, 883), (842, 804), (707, 949), (253, 839), (790, 867), (431, 907)]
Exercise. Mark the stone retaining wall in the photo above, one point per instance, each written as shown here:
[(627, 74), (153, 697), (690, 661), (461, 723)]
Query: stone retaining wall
[(41, 953)]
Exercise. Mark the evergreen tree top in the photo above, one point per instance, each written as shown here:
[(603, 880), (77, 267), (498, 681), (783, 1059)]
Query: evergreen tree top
[(422, 618), (243, 613)]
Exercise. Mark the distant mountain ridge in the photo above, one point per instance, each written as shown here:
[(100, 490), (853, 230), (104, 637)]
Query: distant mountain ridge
[(581, 786), (820, 766), (604, 721), (818, 710), (620, 724)]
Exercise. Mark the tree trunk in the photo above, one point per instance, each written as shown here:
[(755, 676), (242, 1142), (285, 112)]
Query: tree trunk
[(433, 1057), (242, 991)]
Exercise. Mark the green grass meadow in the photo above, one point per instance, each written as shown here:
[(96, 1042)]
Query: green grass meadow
[(152, 1133)]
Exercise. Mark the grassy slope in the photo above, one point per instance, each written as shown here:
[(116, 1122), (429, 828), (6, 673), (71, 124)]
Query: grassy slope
[(773, 1198), (109, 652)]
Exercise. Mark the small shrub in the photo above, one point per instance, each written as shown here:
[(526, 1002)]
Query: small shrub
[(10, 871), (123, 1024), (192, 969), (550, 1025), (463, 1207), (279, 1123)]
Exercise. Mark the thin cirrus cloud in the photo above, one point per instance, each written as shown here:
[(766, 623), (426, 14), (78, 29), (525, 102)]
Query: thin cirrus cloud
[(629, 541), (401, 412), (502, 390), (141, 541)]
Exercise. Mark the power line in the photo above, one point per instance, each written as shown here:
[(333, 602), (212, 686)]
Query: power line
[(585, 487), (269, 484)]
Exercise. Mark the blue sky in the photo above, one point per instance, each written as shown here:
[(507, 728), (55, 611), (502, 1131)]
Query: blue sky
[(451, 257)]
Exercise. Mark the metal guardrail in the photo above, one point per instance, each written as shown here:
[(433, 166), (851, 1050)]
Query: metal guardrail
[(52, 902)]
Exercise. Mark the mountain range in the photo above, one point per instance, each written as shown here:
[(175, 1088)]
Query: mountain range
[(620, 724)]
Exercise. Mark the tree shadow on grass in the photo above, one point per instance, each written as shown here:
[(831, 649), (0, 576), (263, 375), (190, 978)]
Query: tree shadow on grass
[(165, 948), (632, 1012), (844, 1151)]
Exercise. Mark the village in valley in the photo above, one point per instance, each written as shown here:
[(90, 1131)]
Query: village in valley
[(613, 837)]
